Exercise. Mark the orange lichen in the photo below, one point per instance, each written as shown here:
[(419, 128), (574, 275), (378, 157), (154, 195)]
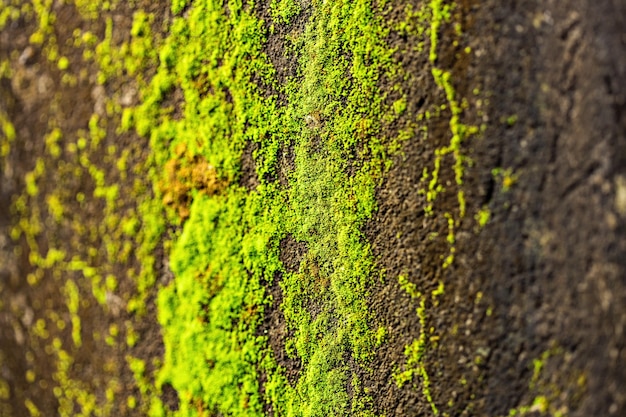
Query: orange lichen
[(185, 173)]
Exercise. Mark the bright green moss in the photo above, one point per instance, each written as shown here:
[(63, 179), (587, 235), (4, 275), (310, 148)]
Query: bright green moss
[(483, 216), (63, 63), (284, 10)]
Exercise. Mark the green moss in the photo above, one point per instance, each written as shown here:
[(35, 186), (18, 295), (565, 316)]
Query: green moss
[(33, 176), (231, 240), (284, 10), (45, 21), (8, 12), (506, 177), (93, 9), (52, 142), (73, 301), (63, 63), (483, 216), (399, 106), (55, 207), (414, 353), (439, 14), (32, 408), (511, 120), (547, 389), (409, 287), (178, 5)]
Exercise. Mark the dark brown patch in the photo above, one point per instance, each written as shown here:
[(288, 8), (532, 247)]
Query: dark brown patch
[(174, 102), (276, 48), (292, 253), (249, 178), (169, 396), (537, 276), (552, 250), (275, 327)]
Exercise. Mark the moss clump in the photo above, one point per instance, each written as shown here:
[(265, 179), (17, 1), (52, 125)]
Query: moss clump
[(333, 121)]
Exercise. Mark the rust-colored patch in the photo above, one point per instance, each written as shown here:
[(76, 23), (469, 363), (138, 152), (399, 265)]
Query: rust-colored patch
[(185, 173)]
